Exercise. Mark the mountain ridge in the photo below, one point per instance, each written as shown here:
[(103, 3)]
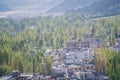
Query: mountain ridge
[(108, 7), (101, 6), (27, 4), (71, 4)]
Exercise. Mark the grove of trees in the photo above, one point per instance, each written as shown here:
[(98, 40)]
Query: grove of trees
[(23, 41)]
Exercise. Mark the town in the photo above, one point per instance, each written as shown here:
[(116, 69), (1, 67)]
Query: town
[(60, 40), (74, 62)]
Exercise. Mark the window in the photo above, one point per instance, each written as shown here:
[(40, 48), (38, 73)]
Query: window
[(91, 67), (79, 68), (76, 69), (83, 68), (88, 67)]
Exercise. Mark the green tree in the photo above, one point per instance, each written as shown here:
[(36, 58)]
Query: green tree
[(48, 64), (18, 62)]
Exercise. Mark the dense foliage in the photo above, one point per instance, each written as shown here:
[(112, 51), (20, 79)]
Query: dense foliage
[(23, 41)]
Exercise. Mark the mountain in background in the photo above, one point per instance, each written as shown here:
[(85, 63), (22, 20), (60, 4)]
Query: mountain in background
[(71, 4), (107, 7), (61, 6), (27, 4), (103, 6)]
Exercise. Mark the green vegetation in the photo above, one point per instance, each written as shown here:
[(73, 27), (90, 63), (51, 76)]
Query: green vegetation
[(108, 62), (23, 41)]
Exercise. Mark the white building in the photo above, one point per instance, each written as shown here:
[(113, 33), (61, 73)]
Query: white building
[(78, 56)]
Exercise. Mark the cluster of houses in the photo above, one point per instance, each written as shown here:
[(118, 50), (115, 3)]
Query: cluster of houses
[(78, 57), (74, 62), (16, 75)]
